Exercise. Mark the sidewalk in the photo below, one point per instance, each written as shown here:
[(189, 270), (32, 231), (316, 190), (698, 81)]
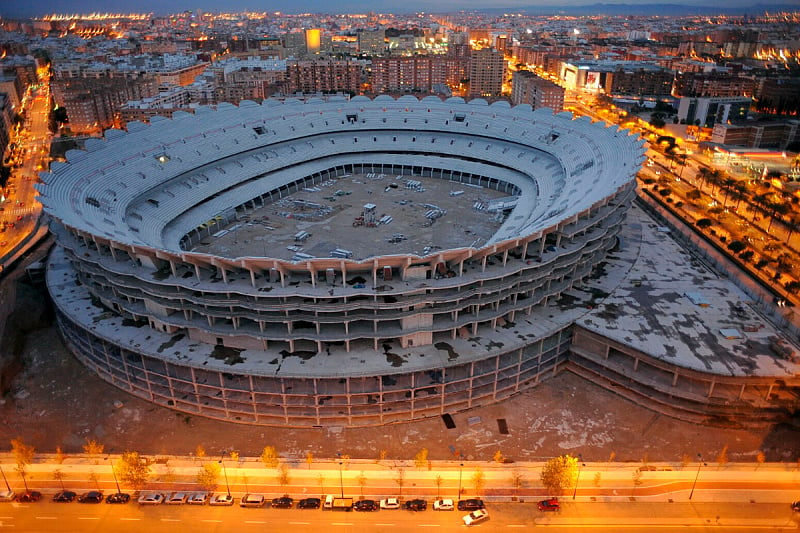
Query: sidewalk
[(601, 482)]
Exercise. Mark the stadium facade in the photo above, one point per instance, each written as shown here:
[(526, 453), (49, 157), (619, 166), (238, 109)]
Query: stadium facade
[(310, 341)]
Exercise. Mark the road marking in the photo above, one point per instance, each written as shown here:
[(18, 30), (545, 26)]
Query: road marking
[(170, 520), (384, 524), (515, 525), (46, 517), (299, 523), (254, 522), (428, 525), (215, 521), (341, 524), (130, 519), (88, 518)]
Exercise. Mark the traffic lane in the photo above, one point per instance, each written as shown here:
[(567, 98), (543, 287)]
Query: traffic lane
[(574, 516)]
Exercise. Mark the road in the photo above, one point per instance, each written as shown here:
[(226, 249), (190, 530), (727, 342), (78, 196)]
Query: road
[(574, 516)]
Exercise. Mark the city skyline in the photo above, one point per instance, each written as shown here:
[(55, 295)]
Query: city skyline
[(360, 6)]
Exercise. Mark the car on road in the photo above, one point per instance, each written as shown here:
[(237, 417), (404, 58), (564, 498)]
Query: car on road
[(284, 502), (476, 517), (309, 503), (7, 496), (198, 498), (390, 503), (366, 505), (93, 496), (151, 498), (252, 500), (473, 504), (796, 506), (29, 496), (443, 505), (177, 498), (221, 499), (550, 504), (64, 496), (118, 497), (416, 505)]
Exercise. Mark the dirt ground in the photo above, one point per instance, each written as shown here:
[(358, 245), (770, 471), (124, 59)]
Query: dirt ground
[(55, 401)]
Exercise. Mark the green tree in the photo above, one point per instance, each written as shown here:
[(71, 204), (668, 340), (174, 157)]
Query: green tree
[(636, 477), (200, 451), (498, 457), (517, 480), (23, 456), (58, 475), (133, 469), (309, 459), (722, 457), (283, 475), (400, 479), (438, 481), (208, 476), (421, 459), (760, 458), (269, 456), (559, 473), (92, 448)]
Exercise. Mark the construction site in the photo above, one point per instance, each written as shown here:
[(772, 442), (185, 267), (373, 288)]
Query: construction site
[(359, 216)]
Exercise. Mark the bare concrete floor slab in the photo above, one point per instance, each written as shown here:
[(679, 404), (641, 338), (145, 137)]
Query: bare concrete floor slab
[(55, 401)]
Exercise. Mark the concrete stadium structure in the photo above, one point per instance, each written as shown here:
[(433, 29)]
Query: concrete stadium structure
[(350, 340)]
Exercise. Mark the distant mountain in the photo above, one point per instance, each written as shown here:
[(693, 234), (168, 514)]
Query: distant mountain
[(669, 10)]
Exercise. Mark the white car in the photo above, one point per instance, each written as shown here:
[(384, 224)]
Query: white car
[(177, 498), (221, 499), (198, 498), (151, 498), (252, 500), (7, 496), (443, 505), (475, 517), (390, 503)]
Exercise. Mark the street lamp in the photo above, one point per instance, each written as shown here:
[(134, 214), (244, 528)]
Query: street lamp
[(113, 473), (580, 464), (341, 480), (225, 472), (460, 471), (700, 463)]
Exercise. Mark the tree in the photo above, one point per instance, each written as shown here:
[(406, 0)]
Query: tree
[(703, 223), (133, 469), (93, 448), (760, 458), (517, 481), (309, 459), (23, 455), (722, 457), (421, 459), (321, 481), (382, 455), (597, 478), (200, 451), (208, 476), (636, 477), (361, 479), (400, 479), (438, 481), (60, 456), (58, 475), (478, 481), (736, 246), (498, 457), (283, 475), (792, 286), (559, 473), (269, 456)]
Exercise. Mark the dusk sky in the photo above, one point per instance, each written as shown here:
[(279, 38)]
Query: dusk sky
[(11, 8)]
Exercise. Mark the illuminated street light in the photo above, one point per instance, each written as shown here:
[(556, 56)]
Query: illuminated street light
[(460, 471), (577, 479), (700, 463), (341, 480)]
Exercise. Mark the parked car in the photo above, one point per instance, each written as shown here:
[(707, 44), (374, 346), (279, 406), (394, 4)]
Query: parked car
[(443, 505), (550, 504), (475, 517), (472, 504), (309, 503), (221, 499), (252, 500), (366, 505), (198, 498), (177, 498), (151, 498), (416, 505), (93, 496), (29, 496), (64, 496), (796, 506), (390, 503), (118, 497), (284, 502), (7, 496)]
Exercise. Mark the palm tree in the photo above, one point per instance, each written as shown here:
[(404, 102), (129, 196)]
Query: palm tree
[(728, 184)]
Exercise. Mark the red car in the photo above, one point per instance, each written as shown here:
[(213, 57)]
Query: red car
[(29, 496), (549, 505)]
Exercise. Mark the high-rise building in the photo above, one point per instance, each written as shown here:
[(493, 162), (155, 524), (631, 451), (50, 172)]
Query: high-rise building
[(372, 42), (707, 112), (528, 88), (313, 41), (323, 76), (397, 74), (486, 73)]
